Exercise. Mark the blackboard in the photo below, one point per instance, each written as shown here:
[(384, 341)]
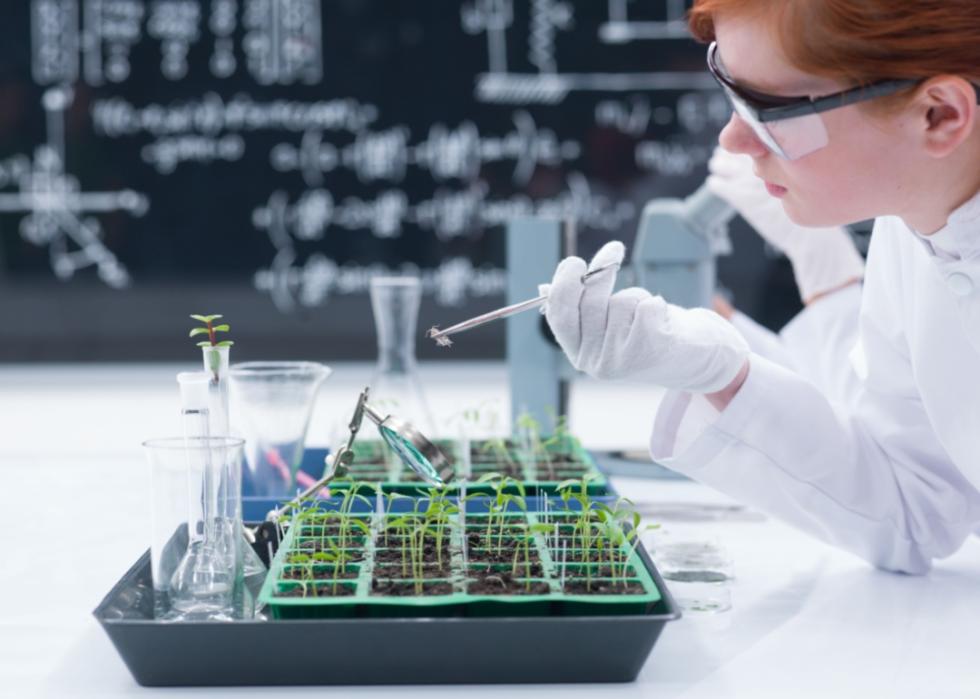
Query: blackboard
[(263, 158)]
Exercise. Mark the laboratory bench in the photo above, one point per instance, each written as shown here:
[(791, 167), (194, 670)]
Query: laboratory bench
[(806, 619)]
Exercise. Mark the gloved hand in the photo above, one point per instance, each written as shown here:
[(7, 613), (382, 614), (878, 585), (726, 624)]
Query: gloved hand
[(823, 259), (635, 334)]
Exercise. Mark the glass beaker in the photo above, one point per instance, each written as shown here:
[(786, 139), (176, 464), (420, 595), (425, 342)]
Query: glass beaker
[(196, 562), (273, 402), (395, 386)]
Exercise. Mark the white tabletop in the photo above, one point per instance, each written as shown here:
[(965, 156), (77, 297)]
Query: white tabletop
[(806, 620)]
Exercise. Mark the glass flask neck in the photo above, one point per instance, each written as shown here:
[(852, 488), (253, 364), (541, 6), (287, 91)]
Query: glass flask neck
[(395, 303), (216, 366)]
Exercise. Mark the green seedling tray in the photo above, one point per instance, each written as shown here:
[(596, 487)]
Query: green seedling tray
[(363, 602), (397, 478)]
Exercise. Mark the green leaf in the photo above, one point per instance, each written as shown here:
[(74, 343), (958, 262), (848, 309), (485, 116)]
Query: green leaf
[(206, 319), (225, 343), (221, 328), (198, 331), (203, 344), (564, 485), (358, 524)]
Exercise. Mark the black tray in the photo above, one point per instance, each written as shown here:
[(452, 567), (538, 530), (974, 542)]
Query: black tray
[(376, 651)]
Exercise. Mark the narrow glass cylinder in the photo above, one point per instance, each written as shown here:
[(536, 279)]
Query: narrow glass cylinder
[(216, 365), (395, 386)]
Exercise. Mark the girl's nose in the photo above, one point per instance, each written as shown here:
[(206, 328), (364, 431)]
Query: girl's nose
[(738, 137)]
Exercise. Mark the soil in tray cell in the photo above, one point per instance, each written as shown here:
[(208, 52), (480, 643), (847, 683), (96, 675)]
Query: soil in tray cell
[(603, 587), (511, 522), (481, 540), (481, 570), (316, 590), (395, 555), (505, 584), (493, 458), (331, 525), (503, 556), (328, 544), (400, 572), (579, 556), (319, 572), (573, 541), (351, 533), (299, 557), (575, 572), (481, 528), (394, 588), (395, 541), (477, 446)]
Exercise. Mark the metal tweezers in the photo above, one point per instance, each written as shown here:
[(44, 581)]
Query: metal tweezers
[(442, 336)]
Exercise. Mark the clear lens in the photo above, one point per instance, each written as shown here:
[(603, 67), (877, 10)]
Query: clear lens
[(790, 138), (798, 136)]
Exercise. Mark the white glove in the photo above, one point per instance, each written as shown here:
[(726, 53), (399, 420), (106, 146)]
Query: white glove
[(635, 334), (824, 259)]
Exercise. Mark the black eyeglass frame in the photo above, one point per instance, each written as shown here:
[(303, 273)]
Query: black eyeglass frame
[(767, 108)]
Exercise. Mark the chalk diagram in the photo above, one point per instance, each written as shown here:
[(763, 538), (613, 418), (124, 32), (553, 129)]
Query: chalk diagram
[(549, 85), (279, 42), (58, 214)]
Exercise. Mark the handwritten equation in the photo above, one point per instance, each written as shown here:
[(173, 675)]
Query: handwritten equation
[(93, 40), (335, 162)]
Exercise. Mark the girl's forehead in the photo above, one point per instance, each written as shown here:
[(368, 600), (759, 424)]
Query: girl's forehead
[(751, 55)]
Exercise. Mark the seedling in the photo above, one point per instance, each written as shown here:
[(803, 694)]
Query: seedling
[(389, 506), (621, 526), (438, 515), (499, 504), (530, 430), (467, 419), (428, 547), (212, 330), (498, 447), (578, 490), (561, 440)]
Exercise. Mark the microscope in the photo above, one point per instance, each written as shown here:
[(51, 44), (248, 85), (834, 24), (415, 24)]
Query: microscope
[(674, 255)]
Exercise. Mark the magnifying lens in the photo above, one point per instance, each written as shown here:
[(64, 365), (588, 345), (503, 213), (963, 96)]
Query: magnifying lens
[(412, 447)]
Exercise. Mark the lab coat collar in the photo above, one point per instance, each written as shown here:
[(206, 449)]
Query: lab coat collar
[(959, 239)]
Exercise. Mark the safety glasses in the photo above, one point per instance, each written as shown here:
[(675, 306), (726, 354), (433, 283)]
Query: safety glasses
[(791, 127)]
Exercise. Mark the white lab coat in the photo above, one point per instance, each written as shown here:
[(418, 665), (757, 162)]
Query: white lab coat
[(830, 363), (890, 469)]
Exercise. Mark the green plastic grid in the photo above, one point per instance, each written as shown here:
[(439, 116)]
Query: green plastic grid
[(364, 603), (400, 479)]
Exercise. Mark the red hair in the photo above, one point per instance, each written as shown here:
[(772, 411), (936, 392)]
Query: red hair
[(860, 41)]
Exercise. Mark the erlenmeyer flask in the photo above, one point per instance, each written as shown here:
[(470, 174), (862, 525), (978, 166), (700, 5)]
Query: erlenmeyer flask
[(395, 387)]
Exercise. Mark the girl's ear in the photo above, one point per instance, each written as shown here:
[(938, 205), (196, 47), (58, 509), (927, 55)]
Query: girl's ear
[(947, 108)]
